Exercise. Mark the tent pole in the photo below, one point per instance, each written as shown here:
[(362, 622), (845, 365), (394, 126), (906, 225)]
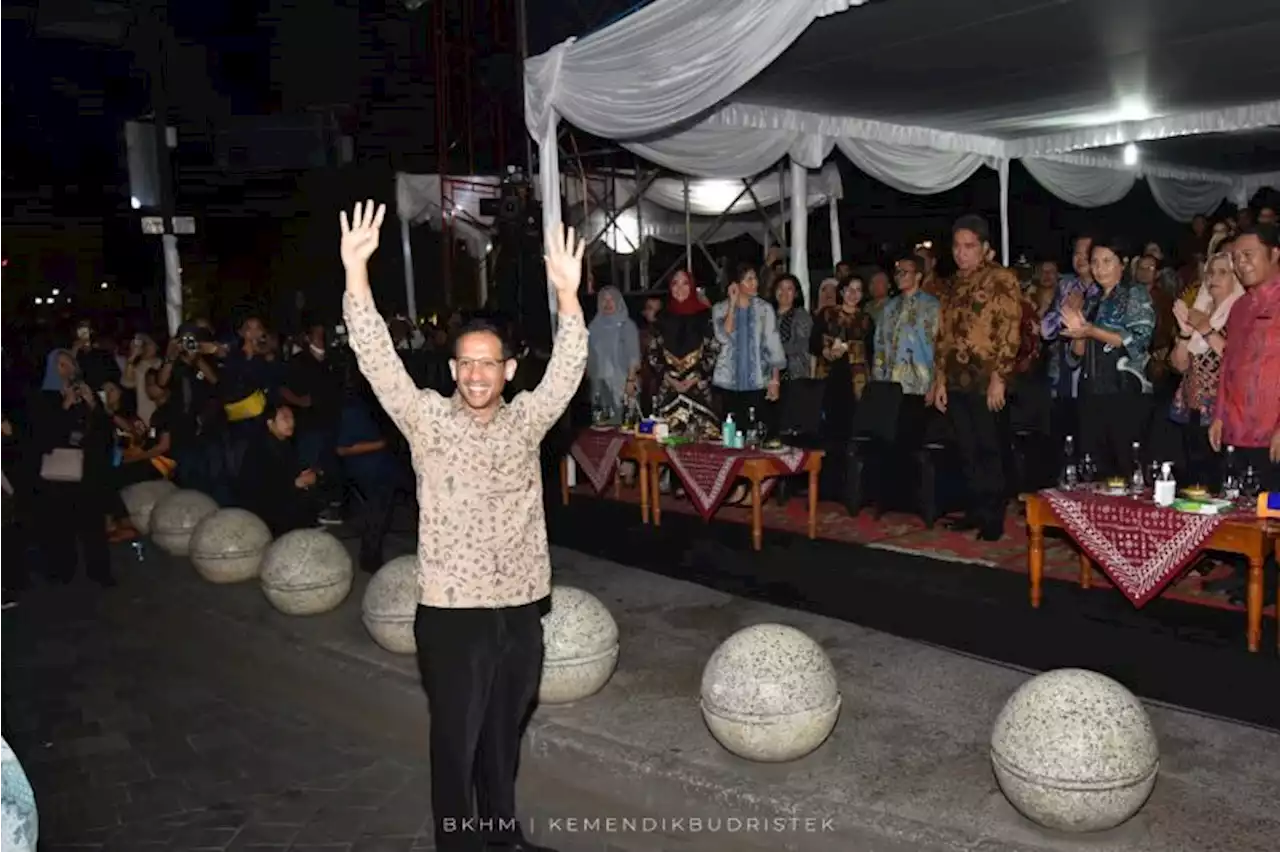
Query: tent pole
[(782, 208), (688, 230), (410, 296), (1004, 212)]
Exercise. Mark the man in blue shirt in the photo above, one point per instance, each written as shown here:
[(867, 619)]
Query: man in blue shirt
[(370, 465)]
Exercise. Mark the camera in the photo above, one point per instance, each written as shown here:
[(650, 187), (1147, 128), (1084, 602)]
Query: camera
[(190, 344)]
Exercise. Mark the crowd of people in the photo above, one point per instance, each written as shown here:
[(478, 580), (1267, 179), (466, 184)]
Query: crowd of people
[(1137, 359), (285, 428)]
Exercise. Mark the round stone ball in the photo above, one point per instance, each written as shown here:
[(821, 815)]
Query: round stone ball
[(391, 604), (306, 572), (176, 517), (228, 546), (580, 646), (1073, 750), (20, 828), (769, 694), (141, 497)]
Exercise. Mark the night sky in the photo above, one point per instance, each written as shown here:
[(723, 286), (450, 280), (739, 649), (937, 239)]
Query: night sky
[(370, 67)]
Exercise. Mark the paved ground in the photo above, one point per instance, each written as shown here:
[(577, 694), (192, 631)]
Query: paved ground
[(140, 736)]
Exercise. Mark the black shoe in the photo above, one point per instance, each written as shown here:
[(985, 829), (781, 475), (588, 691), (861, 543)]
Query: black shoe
[(990, 533), (963, 524)]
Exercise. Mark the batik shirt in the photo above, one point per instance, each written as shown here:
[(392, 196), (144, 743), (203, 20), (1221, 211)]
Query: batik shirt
[(1064, 379), (905, 336), (482, 533), (1249, 388), (978, 330), (1128, 312)]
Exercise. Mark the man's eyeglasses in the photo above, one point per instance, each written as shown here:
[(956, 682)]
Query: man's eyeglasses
[(488, 365)]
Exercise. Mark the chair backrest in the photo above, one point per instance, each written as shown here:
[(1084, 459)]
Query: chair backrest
[(800, 407), (877, 414), (1030, 407)]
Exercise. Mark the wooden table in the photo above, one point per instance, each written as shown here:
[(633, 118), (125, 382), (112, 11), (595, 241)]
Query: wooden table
[(755, 470), (1252, 539), (635, 449)]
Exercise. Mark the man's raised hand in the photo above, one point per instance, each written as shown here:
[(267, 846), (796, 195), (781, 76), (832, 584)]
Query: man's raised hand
[(360, 234), (564, 262)]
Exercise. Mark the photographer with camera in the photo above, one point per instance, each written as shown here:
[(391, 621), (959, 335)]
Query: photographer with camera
[(71, 436), (313, 389), (189, 376), (95, 357)]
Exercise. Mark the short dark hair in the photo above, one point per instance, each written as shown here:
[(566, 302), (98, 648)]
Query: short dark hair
[(271, 409), (914, 258), (741, 270), (1092, 238), (1118, 245), (483, 325), (1267, 234), (795, 282), (973, 222)]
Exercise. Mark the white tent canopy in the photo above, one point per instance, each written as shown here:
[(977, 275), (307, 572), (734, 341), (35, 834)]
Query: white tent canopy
[(922, 93)]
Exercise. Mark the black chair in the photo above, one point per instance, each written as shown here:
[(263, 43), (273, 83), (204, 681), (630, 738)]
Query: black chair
[(1030, 431), (799, 424)]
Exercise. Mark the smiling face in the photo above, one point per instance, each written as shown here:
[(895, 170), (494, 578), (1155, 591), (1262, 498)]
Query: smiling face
[(1080, 259), (1256, 263), (852, 293), (785, 294), (1107, 267), (749, 285), (681, 286), (481, 371), (1222, 278)]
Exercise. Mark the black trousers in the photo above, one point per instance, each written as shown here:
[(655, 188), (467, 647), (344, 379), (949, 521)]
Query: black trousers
[(1203, 466), (980, 438), (379, 503), (67, 514), (480, 669), (1109, 425)]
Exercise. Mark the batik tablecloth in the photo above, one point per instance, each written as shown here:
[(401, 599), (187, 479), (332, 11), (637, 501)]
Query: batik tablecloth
[(596, 453), (1140, 546), (708, 471)]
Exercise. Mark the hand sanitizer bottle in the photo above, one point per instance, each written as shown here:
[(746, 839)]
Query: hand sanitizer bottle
[(729, 432), (1166, 489)]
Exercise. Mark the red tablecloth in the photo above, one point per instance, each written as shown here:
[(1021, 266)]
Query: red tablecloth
[(1141, 547), (596, 453), (708, 471)]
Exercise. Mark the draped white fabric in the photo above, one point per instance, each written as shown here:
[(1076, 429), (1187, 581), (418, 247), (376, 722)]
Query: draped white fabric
[(919, 171), (690, 57), (1183, 200), (1081, 185)]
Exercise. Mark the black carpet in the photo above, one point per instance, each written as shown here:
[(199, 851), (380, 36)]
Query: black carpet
[(1179, 653)]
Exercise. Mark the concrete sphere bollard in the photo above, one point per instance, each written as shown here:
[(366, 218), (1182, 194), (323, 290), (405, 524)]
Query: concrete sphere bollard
[(580, 646), (306, 572), (1074, 750), (228, 546), (141, 497), (391, 604), (769, 693), (176, 517), (20, 827)]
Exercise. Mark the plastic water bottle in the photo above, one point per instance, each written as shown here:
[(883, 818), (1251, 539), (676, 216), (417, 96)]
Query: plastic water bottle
[(1166, 489)]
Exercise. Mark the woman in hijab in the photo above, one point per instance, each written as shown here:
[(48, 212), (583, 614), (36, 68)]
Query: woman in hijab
[(70, 497), (1197, 355), (827, 294), (681, 358), (613, 360)]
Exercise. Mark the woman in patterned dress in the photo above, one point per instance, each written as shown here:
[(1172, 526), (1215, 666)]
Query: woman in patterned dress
[(842, 342), (1197, 355), (681, 357)]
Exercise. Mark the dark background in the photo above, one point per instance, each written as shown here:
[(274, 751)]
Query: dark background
[(252, 83)]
